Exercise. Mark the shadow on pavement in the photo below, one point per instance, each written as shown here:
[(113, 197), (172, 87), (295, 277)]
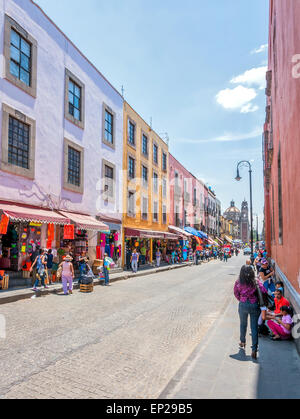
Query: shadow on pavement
[(241, 356), (279, 370)]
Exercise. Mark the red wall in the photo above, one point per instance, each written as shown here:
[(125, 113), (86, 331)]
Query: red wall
[(284, 44)]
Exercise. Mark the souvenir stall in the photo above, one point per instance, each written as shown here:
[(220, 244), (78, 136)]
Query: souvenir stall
[(147, 242), (110, 243), (22, 230), (81, 238), (73, 241)]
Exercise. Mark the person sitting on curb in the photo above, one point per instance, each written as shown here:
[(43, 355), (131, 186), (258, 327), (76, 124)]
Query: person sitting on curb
[(279, 302), (266, 274), (282, 329)]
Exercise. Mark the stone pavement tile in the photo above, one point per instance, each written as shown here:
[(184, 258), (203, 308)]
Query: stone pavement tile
[(204, 371)]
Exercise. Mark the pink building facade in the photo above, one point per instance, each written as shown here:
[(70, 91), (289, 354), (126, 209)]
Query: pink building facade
[(188, 197), (181, 194)]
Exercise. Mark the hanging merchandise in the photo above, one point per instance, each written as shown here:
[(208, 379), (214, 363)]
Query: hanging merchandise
[(51, 232), (69, 232), (4, 224)]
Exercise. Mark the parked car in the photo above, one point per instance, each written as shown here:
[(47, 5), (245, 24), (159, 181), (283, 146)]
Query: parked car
[(247, 251)]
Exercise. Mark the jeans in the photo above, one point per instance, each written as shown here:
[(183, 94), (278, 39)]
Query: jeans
[(134, 265), (40, 274), (106, 276), (246, 309)]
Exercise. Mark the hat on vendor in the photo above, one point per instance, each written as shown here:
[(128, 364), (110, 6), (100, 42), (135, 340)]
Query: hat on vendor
[(68, 258)]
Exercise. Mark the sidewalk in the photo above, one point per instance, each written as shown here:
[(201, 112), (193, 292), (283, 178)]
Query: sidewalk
[(217, 369), (9, 296)]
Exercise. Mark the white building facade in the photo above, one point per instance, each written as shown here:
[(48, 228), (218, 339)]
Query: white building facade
[(61, 126)]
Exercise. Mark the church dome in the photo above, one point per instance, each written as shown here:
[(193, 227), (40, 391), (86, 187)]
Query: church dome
[(232, 209)]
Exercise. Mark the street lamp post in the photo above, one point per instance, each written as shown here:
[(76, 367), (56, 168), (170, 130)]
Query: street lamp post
[(238, 178)]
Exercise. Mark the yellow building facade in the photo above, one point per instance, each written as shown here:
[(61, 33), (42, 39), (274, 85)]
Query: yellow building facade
[(146, 183)]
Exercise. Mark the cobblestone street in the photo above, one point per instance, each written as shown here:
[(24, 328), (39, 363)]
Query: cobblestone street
[(128, 340), (125, 341)]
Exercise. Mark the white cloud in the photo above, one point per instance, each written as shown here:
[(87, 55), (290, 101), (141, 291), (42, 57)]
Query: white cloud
[(237, 98), (227, 137), (254, 77), (249, 108), (261, 49)]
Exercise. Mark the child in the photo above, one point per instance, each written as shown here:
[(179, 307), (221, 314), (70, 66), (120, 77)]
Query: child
[(282, 329)]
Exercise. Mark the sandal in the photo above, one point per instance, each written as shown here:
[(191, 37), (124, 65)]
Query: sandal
[(274, 338)]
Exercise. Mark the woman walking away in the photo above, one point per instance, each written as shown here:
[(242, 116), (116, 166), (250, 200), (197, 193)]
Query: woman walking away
[(67, 275), (245, 291)]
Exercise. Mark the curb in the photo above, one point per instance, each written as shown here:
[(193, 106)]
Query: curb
[(28, 294)]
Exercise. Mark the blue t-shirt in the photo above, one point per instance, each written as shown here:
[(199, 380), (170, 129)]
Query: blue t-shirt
[(134, 257)]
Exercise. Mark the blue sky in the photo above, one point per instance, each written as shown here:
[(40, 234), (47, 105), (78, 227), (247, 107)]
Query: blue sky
[(196, 68)]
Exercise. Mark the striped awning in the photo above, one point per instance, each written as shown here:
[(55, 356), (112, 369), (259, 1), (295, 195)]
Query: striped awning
[(219, 240), (34, 215), (149, 234), (228, 239), (213, 242), (86, 222), (180, 232)]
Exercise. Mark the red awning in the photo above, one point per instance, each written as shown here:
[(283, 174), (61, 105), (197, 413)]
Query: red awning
[(86, 222), (36, 215)]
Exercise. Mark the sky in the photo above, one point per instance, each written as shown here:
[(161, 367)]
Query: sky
[(195, 68)]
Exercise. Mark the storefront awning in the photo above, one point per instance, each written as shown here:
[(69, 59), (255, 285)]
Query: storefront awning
[(35, 215), (219, 240), (149, 234), (86, 222), (228, 239), (112, 223), (179, 231), (213, 242), (196, 233)]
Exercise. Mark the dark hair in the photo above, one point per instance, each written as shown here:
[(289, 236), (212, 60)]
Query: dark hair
[(247, 276), (279, 290), (279, 283), (49, 251), (41, 251), (287, 309)]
